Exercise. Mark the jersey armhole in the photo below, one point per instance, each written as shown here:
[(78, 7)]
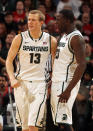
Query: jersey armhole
[(50, 55), (69, 46), (21, 42), (50, 43)]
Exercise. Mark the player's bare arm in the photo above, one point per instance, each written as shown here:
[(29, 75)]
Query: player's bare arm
[(78, 46), (53, 48), (2, 61), (9, 61), (53, 52)]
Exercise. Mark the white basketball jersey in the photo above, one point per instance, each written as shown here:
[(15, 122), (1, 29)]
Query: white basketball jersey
[(33, 55), (65, 62)]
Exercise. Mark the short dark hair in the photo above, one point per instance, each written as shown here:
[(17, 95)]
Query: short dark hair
[(68, 14)]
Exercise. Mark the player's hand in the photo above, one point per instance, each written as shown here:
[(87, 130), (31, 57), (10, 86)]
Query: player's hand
[(1, 127), (64, 96), (49, 84), (15, 83)]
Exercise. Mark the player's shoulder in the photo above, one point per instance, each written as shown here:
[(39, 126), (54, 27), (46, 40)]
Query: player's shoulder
[(77, 37), (76, 33), (17, 39), (46, 34), (25, 34), (53, 39)]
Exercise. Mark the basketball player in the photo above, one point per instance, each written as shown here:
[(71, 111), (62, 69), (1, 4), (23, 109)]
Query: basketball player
[(68, 68), (33, 48)]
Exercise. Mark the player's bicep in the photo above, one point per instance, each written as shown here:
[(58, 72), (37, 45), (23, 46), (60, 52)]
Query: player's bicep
[(78, 46), (14, 48), (53, 46)]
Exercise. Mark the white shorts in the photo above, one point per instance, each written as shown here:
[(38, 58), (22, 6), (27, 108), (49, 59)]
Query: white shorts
[(62, 112), (30, 99)]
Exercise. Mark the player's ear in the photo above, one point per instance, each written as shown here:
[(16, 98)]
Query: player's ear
[(42, 22)]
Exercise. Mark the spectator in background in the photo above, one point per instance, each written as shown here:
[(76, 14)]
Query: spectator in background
[(52, 28), (8, 121), (89, 111), (5, 49), (10, 24), (81, 103), (2, 61), (42, 8), (4, 99), (67, 7), (79, 25), (85, 8), (61, 5), (4, 96), (50, 7), (74, 4), (22, 26), (88, 52), (7, 5), (4, 72), (55, 2), (3, 33), (28, 5), (19, 14), (88, 74), (87, 27), (91, 6)]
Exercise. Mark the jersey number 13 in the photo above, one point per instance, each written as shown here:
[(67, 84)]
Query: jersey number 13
[(35, 58)]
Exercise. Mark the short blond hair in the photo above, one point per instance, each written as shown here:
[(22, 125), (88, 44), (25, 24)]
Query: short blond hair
[(41, 15)]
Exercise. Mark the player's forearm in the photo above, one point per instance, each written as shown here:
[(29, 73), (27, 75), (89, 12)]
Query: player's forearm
[(2, 61), (10, 69), (77, 75)]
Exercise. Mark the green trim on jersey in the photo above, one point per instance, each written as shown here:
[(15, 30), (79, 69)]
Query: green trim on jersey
[(19, 116), (58, 104), (18, 56), (40, 107), (68, 67), (50, 53), (21, 42), (69, 46), (50, 43), (32, 37)]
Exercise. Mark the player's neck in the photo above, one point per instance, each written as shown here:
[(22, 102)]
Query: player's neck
[(70, 29), (36, 34)]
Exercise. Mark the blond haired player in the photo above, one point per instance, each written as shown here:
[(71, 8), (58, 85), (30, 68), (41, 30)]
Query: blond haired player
[(33, 48)]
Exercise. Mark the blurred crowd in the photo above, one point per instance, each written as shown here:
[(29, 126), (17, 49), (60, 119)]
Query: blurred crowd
[(13, 20)]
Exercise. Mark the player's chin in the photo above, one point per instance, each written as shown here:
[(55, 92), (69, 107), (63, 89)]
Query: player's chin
[(32, 29)]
